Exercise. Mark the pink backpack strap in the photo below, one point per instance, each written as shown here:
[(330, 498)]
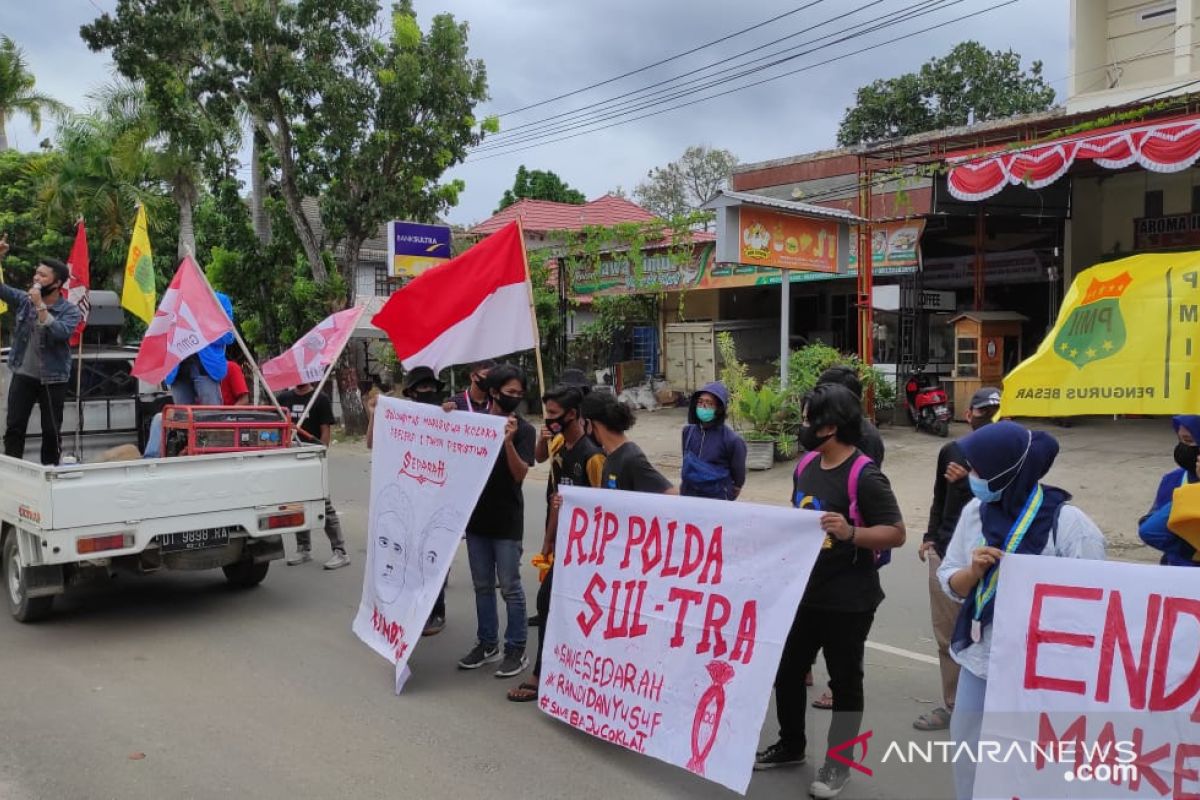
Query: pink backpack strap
[(856, 469), (805, 460)]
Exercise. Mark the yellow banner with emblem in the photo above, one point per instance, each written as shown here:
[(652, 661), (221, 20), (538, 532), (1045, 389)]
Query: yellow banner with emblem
[(1127, 341)]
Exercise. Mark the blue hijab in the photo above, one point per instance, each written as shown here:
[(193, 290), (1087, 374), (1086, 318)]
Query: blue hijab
[(1013, 459), (1172, 480)]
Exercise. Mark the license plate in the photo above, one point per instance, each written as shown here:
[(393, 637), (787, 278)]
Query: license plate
[(194, 540)]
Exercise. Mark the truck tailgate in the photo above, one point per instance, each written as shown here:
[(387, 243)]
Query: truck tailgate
[(135, 491)]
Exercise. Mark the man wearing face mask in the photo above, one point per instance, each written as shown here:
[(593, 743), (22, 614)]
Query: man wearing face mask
[(475, 397), (40, 356), (951, 492), (714, 456), (1176, 552)]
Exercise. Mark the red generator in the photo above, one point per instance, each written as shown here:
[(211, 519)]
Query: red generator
[(196, 430)]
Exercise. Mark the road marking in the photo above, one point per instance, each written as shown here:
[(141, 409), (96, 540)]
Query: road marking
[(899, 651)]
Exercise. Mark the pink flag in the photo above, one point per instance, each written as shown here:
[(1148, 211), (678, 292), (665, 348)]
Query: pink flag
[(188, 319), (308, 358), (81, 280)]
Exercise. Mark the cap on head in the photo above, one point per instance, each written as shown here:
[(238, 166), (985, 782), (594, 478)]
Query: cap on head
[(987, 397), (419, 375)]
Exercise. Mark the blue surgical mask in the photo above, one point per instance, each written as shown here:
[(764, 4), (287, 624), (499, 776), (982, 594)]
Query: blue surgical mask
[(981, 489), (706, 414)]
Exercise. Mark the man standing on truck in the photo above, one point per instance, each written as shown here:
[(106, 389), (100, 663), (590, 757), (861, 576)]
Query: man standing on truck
[(316, 429), (40, 356)]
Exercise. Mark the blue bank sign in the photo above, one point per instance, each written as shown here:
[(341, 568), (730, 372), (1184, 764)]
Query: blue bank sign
[(414, 247)]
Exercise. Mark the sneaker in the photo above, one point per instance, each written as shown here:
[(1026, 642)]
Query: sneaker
[(301, 557), (514, 664), (480, 654), (339, 560), (830, 782), (434, 625), (778, 755)]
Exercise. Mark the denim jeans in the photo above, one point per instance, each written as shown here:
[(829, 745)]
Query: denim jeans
[(154, 438), (493, 559), (192, 387), (965, 725), (23, 393)]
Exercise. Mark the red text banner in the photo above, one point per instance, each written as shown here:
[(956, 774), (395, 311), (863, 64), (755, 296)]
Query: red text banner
[(667, 622)]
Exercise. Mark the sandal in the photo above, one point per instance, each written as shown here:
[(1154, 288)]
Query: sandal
[(527, 692), (936, 720), (824, 702)]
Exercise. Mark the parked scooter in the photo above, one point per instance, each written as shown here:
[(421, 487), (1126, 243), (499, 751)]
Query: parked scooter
[(927, 404)]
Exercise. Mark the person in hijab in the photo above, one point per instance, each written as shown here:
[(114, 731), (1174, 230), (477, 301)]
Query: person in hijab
[(1013, 512), (1153, 527), (714, 457)]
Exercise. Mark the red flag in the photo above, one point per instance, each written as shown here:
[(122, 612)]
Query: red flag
[(80, 284), (471, 307), (308, 358), (188, 319)]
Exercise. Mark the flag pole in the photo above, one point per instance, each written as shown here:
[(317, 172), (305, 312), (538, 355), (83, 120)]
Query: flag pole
[(79, 372), (537, 339), (329, 370)]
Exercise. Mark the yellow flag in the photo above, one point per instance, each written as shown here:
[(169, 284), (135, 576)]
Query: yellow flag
[(1127, 341), (3, 305), (138, 294)]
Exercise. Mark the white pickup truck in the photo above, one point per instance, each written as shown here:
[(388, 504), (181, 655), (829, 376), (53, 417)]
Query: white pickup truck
[(64, 525)]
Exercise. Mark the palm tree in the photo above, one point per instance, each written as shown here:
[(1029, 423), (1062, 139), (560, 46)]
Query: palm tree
[(16, 91)]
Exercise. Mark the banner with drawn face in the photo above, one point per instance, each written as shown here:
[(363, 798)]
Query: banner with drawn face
[(428, 469)]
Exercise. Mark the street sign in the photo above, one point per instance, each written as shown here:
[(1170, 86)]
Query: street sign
[(414, 247)]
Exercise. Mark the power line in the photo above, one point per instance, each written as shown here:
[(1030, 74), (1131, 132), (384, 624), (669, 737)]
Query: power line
[(856, 31), (663, 61), (746, 86)]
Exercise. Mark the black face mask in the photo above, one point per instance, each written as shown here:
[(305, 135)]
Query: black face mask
[(1185, 456), (508, 404), (556, 424), (810, 440), (433, 398)]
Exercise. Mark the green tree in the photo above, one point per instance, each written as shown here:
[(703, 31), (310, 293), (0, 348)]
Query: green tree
[(969, 84), (17, 94), (539, 184), (683, 186), (20, 217)]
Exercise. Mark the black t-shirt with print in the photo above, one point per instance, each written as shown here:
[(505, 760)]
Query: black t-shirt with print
[(321, 414), (845, 577), (579, 465), (500, 512), (628, 468)]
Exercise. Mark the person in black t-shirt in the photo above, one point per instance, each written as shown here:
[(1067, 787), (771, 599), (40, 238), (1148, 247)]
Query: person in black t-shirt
[(838, 606), (625, 465), (316, 428), (475, 397), (575, 460), (495, 531)]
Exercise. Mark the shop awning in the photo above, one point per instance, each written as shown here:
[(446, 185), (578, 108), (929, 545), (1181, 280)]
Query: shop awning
[(1167, 146)]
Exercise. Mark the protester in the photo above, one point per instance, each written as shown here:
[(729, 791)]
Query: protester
[(871, 444), (475, 397), (1012, 512), (951, 492), (1176, 551), (40, 356), (625, 465), (570, 377), (838, 607), (714, 457), (197, 379), (317, 428), (234, 391), (575, 460), (495, 531)]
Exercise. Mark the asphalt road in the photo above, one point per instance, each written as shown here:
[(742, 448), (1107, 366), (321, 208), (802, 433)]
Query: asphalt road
[(174, 686)]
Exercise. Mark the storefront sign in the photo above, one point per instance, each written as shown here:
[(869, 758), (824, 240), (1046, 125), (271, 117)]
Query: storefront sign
[(893, 244), (1020, 266), (771, 239), (414, 248), (1164, 233)]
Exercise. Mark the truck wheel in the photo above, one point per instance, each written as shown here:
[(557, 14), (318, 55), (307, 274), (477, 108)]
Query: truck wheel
[(23, 609), (245, 574)]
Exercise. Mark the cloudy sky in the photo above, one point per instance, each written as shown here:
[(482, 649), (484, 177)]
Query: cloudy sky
[(536, 50)]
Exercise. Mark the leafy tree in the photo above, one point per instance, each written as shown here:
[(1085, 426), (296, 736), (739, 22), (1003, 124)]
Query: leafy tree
[(682, 187), (539, 185), (17, 95), (20, 216), (969, 84)]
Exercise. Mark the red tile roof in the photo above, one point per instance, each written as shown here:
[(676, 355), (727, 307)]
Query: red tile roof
[(539, 216)]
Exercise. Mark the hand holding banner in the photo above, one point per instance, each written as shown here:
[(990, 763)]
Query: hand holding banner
[(668, 619)]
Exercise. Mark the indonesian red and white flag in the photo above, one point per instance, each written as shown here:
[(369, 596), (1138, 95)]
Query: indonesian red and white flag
[(188, 319), (79, 286), (308, 358), (472, 307)]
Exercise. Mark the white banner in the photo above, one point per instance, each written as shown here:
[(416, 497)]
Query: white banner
[(668, 619), (1093, 683), (428, 468)]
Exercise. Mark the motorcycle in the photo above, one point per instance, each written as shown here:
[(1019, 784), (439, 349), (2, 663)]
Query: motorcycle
[(927, 403)]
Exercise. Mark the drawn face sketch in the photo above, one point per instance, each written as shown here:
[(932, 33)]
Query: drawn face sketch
[(439, 532), (392, 540)]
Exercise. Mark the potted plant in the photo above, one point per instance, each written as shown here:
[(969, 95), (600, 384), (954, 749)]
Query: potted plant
[(759, 408)]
